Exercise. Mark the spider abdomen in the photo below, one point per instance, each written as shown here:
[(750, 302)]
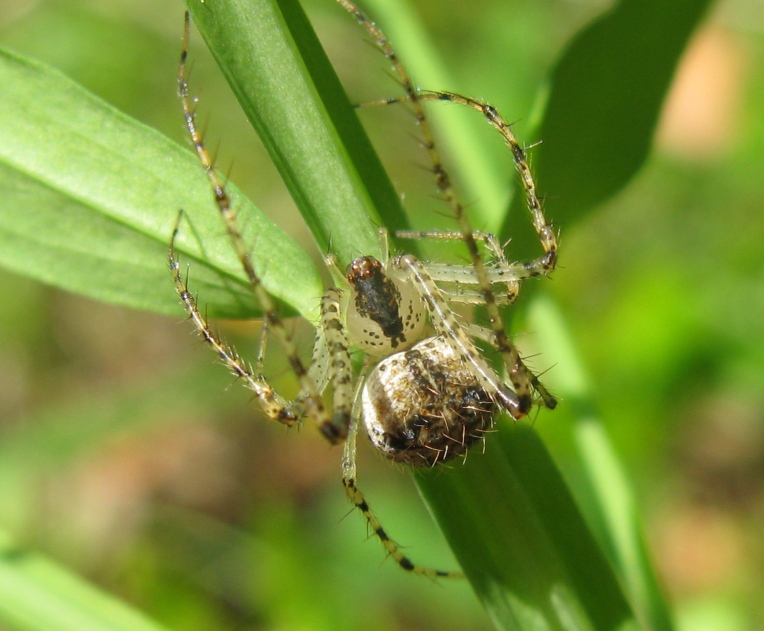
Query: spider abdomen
[(424, 406)]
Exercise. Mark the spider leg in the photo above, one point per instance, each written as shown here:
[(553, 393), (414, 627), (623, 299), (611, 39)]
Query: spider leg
[(275, 406), (488, 239), (540, 266), (517, 373), (446, 324), (546, 263), (339, 372), (463, 286), (463, 283), (310, 394), (359, 501), (500, 270)]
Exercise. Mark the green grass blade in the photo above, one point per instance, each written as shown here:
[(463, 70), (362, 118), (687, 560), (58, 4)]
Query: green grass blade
[(90, 197), (39, 595), (611, 509), (605, 100), (286, 86), (519, 536)]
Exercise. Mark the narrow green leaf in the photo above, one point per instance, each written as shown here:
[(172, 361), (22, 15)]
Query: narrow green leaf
[(611, 509), (605, 98), (90, 198), (289, 90), (520, 538), (39, 595)]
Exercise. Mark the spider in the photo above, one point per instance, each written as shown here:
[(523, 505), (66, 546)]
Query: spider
[(425, 393)]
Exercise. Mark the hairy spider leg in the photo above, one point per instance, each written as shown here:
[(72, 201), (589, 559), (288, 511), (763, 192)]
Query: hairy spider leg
[(393, 550), (330, 364), (333, 426), (445, 323), (463, 277), (509, 272), (522, 379), (272, 404)]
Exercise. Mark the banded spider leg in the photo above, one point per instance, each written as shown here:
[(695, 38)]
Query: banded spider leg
[(479, 274)]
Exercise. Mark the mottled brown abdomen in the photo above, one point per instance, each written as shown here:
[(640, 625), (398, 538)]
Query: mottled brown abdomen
[(424, 406)]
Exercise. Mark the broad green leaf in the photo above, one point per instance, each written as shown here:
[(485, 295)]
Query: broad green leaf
[(90, 198)]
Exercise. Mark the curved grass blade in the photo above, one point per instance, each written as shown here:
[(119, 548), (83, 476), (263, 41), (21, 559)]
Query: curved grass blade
[(608, 502)]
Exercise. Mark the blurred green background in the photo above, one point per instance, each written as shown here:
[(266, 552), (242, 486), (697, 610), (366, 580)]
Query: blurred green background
[(130, 457)]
